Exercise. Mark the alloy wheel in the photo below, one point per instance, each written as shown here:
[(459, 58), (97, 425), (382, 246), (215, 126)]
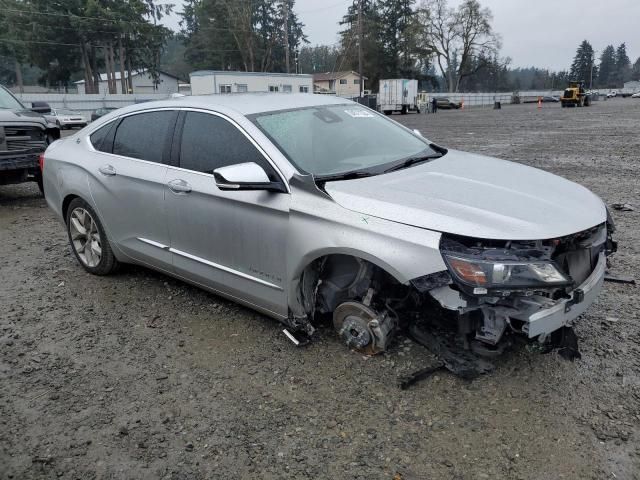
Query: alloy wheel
[(85, 237)]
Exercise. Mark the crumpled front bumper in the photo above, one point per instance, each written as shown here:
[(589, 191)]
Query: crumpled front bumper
[(543, 316)]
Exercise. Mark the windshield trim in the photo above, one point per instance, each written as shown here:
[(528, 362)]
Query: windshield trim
[(319, 178)]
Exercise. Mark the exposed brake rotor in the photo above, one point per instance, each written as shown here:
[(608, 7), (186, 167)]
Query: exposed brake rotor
[(362, 328)]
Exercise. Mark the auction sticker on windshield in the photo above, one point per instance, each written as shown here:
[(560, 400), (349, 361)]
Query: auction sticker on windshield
[(358, 113)]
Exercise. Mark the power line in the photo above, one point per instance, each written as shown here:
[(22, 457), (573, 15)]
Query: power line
[(61, 44), (71, 15)]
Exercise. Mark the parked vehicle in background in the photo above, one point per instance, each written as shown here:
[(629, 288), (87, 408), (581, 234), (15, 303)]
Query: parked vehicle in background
[(100, 112), (446, 103), (308, 206), (612, 94), (24, 136), (636, 95), (550, 99), (65, 119), (398, 95)]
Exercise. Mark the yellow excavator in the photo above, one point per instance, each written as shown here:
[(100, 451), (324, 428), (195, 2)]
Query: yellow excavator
[(575, 95)]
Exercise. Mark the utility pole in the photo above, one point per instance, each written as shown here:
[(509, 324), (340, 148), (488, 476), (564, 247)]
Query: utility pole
[(285, 8), (360, 46), (593, 61)]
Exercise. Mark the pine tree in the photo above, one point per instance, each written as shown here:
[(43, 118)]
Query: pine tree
[(241, 34), (623, 65), (607, 67), (583, 62), (371, 43), (398, 35), (635, 72)]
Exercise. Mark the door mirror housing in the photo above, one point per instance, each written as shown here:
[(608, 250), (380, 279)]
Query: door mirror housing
[(40, 107), (245, 176)]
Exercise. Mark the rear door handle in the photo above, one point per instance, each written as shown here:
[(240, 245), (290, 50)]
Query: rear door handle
[(107, 170), (179, 186)]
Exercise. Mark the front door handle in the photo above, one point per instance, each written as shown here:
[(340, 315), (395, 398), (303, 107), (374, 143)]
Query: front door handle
[(179, 186), (107, 170)]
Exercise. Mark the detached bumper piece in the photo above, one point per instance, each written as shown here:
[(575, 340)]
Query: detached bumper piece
[(452, 356)]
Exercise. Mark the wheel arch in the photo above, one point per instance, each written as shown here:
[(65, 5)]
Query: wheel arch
[(65, 204), (306, 275)]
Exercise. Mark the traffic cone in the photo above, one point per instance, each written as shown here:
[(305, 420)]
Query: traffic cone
[(539, 102)]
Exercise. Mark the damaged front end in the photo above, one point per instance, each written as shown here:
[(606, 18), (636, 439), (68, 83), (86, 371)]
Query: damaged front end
[(492, 292), (533, 288)]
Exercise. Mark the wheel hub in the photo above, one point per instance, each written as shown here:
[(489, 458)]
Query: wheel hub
[(362, 328)]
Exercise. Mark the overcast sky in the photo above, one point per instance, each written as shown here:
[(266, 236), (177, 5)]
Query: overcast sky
[(541, 33)]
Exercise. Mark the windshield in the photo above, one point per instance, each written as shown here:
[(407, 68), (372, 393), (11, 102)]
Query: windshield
[(9, 101), (329, 140)]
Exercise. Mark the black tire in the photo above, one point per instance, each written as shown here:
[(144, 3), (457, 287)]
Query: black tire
[(107, 262), (40, 184), (387, 112)]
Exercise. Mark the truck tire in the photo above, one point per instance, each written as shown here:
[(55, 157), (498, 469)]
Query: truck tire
[(40, 183)]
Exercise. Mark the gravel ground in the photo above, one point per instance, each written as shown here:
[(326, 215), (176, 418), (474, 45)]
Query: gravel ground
[(140, 376)]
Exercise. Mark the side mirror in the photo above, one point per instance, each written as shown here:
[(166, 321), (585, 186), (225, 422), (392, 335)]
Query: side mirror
[(40, 107), (245, 176)]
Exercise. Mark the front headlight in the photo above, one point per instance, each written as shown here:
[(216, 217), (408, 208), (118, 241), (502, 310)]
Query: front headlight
[(483, 275)]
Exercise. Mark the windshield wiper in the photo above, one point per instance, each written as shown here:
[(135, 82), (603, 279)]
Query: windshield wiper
[(408, 162), (343, 176)]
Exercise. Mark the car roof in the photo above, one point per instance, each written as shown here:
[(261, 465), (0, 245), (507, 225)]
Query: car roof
[(249, 103)]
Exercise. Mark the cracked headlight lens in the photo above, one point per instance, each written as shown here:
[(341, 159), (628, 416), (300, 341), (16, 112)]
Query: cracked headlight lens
[(487, 274)]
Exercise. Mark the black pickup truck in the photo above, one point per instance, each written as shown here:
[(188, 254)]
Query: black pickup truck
[(24, 135)]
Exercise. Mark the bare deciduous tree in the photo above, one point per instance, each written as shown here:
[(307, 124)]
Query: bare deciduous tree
[(458, 38)]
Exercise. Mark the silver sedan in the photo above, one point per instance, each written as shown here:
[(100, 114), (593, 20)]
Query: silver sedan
[(307, 207)]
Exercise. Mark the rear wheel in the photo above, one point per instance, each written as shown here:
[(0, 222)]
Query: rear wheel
[(88, 239)]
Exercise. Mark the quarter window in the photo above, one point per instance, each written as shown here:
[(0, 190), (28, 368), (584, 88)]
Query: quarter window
[(144, 135), (99, 138), (210, 142)]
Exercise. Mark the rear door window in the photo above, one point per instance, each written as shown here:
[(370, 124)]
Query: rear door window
[(146, 136), (210, 142)]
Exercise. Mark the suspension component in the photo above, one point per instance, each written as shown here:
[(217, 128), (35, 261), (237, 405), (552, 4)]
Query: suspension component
[(364, 329)]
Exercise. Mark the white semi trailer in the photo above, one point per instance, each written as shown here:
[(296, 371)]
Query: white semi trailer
[(398, 95)]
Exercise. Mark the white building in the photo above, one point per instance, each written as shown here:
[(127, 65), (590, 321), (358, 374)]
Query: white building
[(205, 82), (633, 85), (141, 82)]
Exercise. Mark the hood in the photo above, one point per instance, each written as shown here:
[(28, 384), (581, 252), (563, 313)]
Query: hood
[(475, 196), (21, 117)]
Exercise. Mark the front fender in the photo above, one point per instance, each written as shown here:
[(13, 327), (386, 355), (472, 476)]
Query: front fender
[(319, 226)]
